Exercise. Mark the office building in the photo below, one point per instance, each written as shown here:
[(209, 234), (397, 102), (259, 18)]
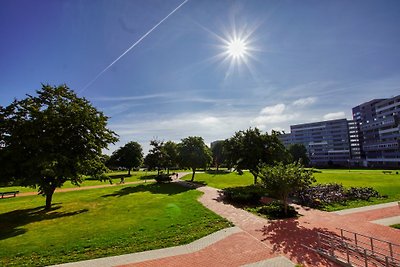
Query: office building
[(327, 142), (379, 128)]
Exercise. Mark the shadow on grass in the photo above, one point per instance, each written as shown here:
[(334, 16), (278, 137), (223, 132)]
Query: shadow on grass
[(288, 237), (219, 172), (11, 222), (154, 188)]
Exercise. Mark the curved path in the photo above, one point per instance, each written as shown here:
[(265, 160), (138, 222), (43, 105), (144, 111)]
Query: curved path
[(256, 241)]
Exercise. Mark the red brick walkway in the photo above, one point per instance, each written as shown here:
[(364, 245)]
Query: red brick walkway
[(262, 239)]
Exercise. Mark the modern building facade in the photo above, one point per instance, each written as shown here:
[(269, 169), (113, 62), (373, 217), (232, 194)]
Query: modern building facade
[(371, 139), (379, 131), (327, 142)]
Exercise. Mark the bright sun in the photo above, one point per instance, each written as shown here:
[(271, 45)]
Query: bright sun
[(237, 48)]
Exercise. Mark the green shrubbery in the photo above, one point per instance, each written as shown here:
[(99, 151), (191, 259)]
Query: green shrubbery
[(245, 195), (163, 178)]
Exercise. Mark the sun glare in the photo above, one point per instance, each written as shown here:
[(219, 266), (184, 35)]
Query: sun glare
[(237, 48)]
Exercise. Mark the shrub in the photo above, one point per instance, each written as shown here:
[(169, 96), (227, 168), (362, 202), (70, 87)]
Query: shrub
[(322, 194), (163, 178), (244, 194), (364, 193), (276, 210)]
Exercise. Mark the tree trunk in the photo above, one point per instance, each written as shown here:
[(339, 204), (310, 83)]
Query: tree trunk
[(129, 171), (49, 196), (255, 176), (285, 204), (194, 170)]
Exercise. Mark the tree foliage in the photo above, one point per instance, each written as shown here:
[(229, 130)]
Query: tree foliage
[(161, 156), (50, 138), (129, 156), (217, 150), (170, 150), (281, 180), (250, 149), (194, 154), (299, 153)]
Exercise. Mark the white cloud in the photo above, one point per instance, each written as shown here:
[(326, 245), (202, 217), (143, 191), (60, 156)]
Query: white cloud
[(273, 110), (304, 101), (273, 114), (335, 115)]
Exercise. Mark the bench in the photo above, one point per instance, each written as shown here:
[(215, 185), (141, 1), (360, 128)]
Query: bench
[(387, 172), (11, 193)]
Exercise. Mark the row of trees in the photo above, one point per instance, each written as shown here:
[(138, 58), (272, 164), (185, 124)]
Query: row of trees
[(191, 153), (250, 149), (56, 136)]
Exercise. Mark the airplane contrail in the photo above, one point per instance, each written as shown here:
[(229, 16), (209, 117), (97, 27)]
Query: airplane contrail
[(132, 46)]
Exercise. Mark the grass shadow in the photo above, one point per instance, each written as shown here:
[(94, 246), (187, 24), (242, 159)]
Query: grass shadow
[(11, 222), (148, 177), (154, 188), (288, 237), (219, 172)]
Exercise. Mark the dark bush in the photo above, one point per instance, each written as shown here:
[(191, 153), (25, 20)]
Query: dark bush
[(163, 178), (322, 194), (364, 193), (244, 194), (316, 196), (276, 210)]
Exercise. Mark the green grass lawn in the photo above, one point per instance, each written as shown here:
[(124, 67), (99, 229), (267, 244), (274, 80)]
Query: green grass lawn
[(385, 184), (222, 179), (115, 177), (101, 222)]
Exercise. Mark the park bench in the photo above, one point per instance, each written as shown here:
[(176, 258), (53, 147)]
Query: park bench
[(387, 172), (11, 193)]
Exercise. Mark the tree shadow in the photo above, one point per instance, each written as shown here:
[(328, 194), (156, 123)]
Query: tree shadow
[(11, 222), (148, 177), (154, 188), (219, 172), (288, 237)]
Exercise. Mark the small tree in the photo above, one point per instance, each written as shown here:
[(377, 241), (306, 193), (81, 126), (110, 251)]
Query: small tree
[(170, 150), (217, 153), (250, 149), (194, 153), (156, 157), (129, 156), (281, 180), (50, 138), (299, 153)]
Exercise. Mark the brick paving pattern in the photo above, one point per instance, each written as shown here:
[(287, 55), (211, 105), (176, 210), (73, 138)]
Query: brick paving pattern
[(278, 237)]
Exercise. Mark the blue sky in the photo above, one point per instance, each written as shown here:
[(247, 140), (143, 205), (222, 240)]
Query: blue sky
[(308, 60)]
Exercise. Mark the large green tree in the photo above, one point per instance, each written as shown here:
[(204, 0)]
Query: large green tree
[(194, 153), (299, 153), (128, 156), (281, 180), (50, 138), (250, 149)]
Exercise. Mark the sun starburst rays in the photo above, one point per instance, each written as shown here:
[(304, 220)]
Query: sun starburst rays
[(236, 50)]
